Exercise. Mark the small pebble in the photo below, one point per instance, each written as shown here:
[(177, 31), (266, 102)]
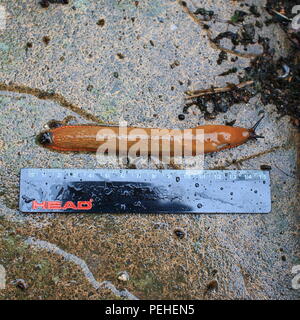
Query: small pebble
[(20, 283), (101, 22), (120, 56), (265, 167), (38, 267), (89, 88), (173, 27), (180, 234), (123, 276), (176, 63), (212, 286), (46, 40)]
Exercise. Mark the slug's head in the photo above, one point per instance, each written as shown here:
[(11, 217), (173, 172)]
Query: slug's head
[(252, 132), (45, 138)]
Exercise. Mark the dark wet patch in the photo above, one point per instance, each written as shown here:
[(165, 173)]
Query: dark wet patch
[(46, 3)]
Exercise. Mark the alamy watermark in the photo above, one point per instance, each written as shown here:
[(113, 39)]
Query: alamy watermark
[(296, 19), (2, 18), (167, 146), (296, 279), (2, 277)]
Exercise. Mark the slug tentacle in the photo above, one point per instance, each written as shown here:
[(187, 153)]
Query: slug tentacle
[(255, 136), (252, 132), (257, 123)]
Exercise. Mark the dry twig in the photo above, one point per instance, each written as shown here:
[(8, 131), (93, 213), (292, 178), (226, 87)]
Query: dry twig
[(199, 93)]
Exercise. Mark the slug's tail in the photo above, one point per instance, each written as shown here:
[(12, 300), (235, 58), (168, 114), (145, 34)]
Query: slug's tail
[(253, 134)]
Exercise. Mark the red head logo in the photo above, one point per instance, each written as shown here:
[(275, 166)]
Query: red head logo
[(58, 205)]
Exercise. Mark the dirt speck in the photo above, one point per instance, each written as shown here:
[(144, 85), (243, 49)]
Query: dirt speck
[(46, 40), (179, 233), (101, 22)]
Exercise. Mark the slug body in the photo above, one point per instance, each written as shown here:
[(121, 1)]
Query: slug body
[(145, 141)]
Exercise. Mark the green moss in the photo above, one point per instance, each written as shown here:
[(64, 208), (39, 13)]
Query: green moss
[(238, 16), (148, 283)]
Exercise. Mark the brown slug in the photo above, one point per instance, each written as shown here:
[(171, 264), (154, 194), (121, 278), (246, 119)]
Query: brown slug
[(89, 138)]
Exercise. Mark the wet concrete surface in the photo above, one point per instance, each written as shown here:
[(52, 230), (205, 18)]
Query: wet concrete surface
[(123, 68)]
